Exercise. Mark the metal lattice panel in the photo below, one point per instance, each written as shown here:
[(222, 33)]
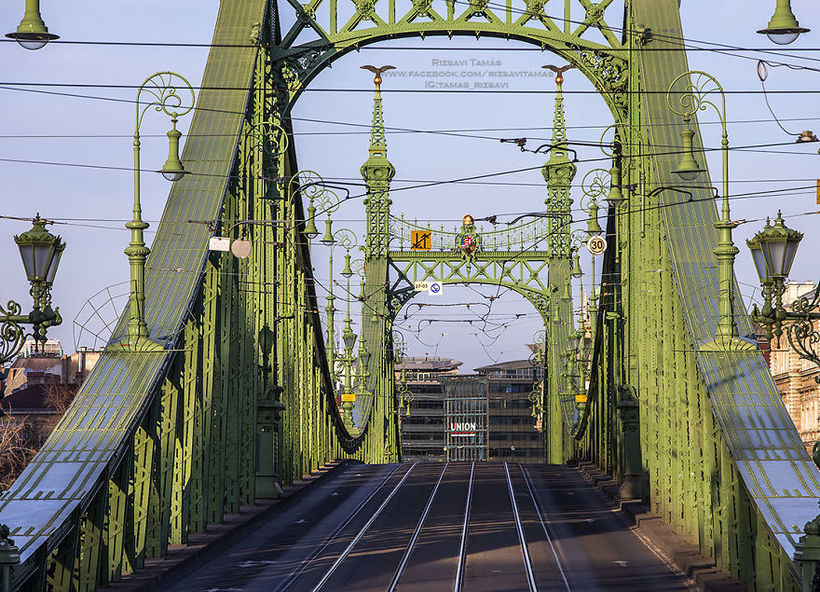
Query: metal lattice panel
[(98, 427), (762, 440)]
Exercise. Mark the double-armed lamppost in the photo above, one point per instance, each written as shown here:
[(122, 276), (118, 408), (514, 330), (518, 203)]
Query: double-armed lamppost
[(696, 95), (783, 27), (32, 32), (348, 395), (346, 239), (41, 252), (403, 395), (165, 92), (773, 251), (536, 360)]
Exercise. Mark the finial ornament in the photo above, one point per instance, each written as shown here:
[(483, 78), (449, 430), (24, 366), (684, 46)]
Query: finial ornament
[(559, 71), (378, 72)]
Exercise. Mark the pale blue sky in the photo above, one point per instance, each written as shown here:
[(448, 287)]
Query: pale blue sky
[(93, 198)]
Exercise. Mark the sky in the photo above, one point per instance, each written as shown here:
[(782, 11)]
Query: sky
[(91, 202)]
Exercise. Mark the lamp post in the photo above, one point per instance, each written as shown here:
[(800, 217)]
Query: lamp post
[(783, 27), (403, 395), (347, 239), (348, 395), (163, 93), (32, 32), (41, 252), (695, 96), (9, 557), (773, 251)]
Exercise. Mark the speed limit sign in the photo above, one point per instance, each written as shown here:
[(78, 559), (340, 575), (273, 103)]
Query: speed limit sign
[(596, 245)]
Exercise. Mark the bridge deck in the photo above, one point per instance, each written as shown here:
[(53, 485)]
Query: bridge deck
[(429, 527)]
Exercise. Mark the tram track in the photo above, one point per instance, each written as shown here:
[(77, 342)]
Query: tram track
[(294, 574), (394, 582), (344, 554), (462, 549), (540, 514), (522, 539), (431, 528)]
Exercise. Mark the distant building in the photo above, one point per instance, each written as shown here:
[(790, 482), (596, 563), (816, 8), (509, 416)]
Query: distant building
[(483, 416), (49, 368), (423, 420), (50, 348), (514, 433), (795, 377)]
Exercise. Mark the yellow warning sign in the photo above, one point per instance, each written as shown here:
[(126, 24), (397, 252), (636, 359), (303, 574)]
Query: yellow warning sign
[(421, 240), (818, 192), (348, 397), (580, 398)]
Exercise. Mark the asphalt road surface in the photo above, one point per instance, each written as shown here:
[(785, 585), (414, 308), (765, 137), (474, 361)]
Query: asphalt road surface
[(433, 527)]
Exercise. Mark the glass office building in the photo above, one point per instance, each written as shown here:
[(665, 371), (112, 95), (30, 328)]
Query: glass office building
[(483, 416)]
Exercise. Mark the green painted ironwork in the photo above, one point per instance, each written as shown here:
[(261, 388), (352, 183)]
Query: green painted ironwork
[(240, 398)]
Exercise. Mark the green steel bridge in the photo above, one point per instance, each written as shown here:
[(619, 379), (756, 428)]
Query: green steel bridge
[(678, 405)]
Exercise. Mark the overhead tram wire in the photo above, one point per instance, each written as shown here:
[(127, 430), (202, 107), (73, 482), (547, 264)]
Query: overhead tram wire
[(808, 189), (13, 84), (387, 128), (719, 46), (366, 126), (405, 188), (711, 46), (421, 185)]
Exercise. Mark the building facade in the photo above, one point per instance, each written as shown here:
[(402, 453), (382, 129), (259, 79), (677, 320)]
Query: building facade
[(423, 417), (796, 378), (477, 417)]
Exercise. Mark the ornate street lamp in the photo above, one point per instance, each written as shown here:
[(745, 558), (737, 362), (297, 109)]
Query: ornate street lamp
[(778, 246), (693, 97), (773, 251), (41, 252), (32, 32), (9, 557), (403, 395), (688, 168), (783, 27), (598, 184), (576, 266), (163, 89)]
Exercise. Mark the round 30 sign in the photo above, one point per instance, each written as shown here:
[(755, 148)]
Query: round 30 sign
[(596, 245)]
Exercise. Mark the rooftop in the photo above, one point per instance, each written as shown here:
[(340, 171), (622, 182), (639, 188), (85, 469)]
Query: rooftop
[(513, 365), (430, 363)]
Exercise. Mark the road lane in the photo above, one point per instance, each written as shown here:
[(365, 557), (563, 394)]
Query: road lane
[(362, 520), (596, 548), (432, 565), (373, 561), (265, 557)]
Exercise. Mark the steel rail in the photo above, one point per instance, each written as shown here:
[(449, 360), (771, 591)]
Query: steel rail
[(409, 550), (462, 549), (296, 572), (522, 540), (526, 475), (361, 532)]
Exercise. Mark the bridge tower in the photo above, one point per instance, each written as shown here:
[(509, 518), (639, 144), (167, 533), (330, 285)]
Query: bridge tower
[(558, 172), (376, 320)]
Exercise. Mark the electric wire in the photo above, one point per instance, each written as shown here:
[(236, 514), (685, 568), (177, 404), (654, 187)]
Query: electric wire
[(566, 91)]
